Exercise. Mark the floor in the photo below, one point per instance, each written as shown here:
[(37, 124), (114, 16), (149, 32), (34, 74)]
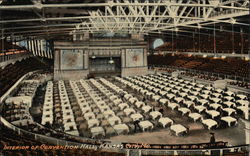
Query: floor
[(197, 134), (232, 135)]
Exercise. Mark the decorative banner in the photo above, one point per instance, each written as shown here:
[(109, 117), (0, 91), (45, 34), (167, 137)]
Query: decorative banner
[(134, 57), (71, 59)]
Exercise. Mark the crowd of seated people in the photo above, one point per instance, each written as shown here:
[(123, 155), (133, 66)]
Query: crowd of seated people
[(227, 66), (12, 72)]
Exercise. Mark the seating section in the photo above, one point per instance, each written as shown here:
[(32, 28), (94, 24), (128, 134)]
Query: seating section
[(215, 108), (12, 72), (227, 66), (205, 43), (101, 108), (105, 107)]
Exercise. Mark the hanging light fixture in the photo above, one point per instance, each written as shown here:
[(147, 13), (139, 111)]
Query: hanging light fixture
[(233, 38), (215, 56), (199, 27), (111, 61)]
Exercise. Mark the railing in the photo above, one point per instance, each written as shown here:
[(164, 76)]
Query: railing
[(13, 56), (47, 140), (223, 76)]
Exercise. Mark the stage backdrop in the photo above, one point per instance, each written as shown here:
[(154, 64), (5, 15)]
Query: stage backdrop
[(134, 57), (71, 59)]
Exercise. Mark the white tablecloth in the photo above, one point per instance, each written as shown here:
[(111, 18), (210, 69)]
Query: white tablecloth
[(170, 96), (89, 115), (146, 125), (178, 128), (163, 101), (229, 120), (178, 99), (139, 104), (133, 100), (93, 123), (123, 106), (203, 101), (96, 131), (216, 100), (146, 109), (127, 96), (229, 110), (173, 105), (136, 116), (210, 123), (117, 101), (215, 106), (213, 113), (108, 113), (129, 111), (165, 120), (188, 103), (230, 104), (243, 102), (199, 108), (156, 97), (195, 116), (115, 120), (184, 110), (229, 98), (242, 96), (86, 109), (121, 128), (155, 114)]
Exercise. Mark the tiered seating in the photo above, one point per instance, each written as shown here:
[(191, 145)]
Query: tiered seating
[(11, 73), (205, 43), (228, 66)]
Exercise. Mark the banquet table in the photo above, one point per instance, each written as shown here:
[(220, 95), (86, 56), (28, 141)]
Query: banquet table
[(114, 120), (155, 114), (123, 106), (215, 106), (195, 116), (210, 123), (97, 131), (229, 120), (178, 129), (129, 111), (136, 116), (184, 110), (121, 128), (146, 108), (229, 111), (200, 108), (146, 125), (173, 105), (93, 123), (165, 121), (213, 113), (229, 104)]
